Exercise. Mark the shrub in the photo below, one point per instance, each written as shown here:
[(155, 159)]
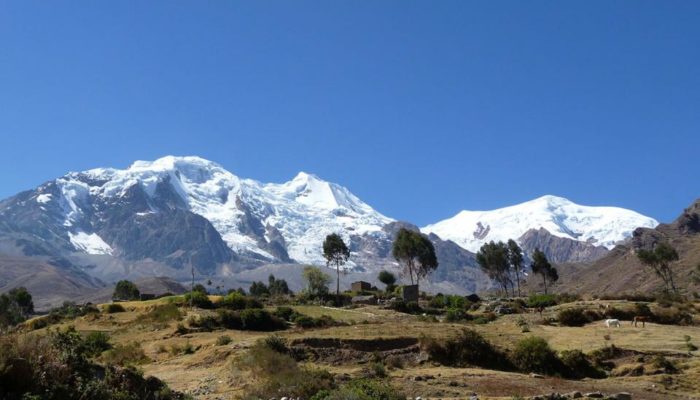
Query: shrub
[(485, 318), (230, 319), (276, 343), (572, 317), (95, 343), (255, 319), (563, 298), (164, 313), (617, 313), (306, 322), (439, 301), (533, 354), (578, 366), (198, 299), (541, 300), (286, 313), (125, 354), (223, 340), (186, 348), (361, 389), (410, 307), (592, 315), (114, 308), (278, 373), (662, 363), (469, 348), (206, 323), (55, 366), (238, 301), (673, 317), (456, 315)]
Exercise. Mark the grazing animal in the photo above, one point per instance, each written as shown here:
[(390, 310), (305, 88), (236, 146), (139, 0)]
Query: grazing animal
[(640, 318), (612, 322)]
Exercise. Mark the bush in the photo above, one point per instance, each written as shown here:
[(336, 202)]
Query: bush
[(125, 354), (664, 364), (95, 343), (485, 318), (438, 301), (254, 319), (237, 301), (541, 300), (533, 354), (456, 315), (572, 317), (56, 366), (286, 313), (177, 349), (114, 308), (563, 298), (276, 343), (617, 313), (578, 366), (673, 317), (361, 389), (278, 373), (469, 348), (164, 313), (206, 323), (410, 307), (223, 340), (199, 299), (230, 319)]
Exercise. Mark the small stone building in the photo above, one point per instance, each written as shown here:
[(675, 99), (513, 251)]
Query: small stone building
[(360, 286), (410, 293)]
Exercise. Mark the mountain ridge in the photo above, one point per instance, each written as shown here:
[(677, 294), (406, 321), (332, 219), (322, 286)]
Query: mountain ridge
[(161, 217)]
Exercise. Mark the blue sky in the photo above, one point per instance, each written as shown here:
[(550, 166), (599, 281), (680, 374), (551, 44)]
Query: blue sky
[(421, 108)]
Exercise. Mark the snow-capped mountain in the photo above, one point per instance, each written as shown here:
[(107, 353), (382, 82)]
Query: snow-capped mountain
[(271, 222), (600, 226), (158, 218)]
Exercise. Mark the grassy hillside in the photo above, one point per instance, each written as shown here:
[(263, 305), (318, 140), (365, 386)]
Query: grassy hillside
[(170, 341)]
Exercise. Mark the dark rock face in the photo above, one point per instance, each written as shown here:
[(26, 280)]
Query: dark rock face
[(135, 226), (687, 224), (558, 249)]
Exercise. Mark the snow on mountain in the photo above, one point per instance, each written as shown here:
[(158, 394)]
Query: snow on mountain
[(89, 243), (597, 225), (303, 210)]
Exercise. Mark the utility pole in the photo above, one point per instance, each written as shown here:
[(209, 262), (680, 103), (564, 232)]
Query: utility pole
[(192, 288)]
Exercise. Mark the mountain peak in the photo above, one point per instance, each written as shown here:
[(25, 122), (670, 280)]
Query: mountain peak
[(173, 162), (561, 217)]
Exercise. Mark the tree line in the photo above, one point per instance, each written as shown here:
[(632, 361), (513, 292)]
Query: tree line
[(504, 263)]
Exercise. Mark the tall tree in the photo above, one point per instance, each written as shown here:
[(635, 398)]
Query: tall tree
[(336, 253), (416, 252), (540, 265), (660, 259), (493, 260), (515, 259)]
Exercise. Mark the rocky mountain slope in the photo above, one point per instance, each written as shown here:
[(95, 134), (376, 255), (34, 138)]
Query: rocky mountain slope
[(620, 270)]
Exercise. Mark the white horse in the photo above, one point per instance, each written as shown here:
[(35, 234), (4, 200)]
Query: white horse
[(612, 322)]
